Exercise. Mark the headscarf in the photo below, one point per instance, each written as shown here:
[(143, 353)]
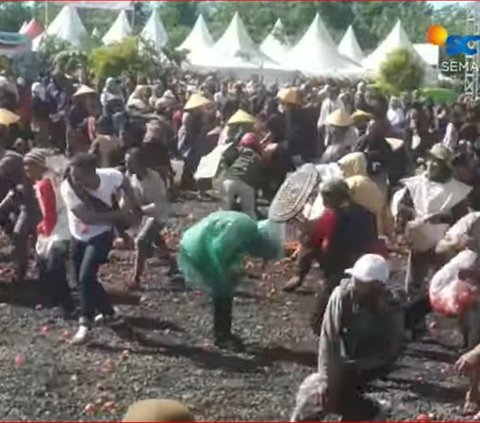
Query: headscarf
[(137, 99), (39, 90), (158, 410), (363, 190), (36, 156)]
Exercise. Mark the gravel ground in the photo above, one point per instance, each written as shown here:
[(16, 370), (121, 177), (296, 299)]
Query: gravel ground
[(164, 350)]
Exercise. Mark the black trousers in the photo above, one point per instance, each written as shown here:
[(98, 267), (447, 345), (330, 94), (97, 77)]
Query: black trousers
[(222, 316), (87, 257), (53, 276)]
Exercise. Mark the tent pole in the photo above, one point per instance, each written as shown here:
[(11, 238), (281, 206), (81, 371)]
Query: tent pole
[(46, 14)]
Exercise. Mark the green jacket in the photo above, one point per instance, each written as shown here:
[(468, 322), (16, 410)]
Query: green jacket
[(247, 167)]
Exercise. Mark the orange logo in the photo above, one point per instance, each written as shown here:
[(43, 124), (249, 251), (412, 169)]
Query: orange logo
[(437, 34)]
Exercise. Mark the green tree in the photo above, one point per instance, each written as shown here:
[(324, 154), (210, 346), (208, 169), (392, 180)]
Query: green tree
[(401, 72), (13, 14)]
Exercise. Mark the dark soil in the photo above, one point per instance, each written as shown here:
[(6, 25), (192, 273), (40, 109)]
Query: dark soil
[(163, 349)]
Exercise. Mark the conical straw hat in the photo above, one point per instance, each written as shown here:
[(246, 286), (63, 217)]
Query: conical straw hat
[(241, 117), (196, 100), (83, 90), (7, 117), (339, 118), (288, 96)]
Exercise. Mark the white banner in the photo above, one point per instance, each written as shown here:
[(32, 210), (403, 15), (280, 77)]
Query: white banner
[(112, 5)]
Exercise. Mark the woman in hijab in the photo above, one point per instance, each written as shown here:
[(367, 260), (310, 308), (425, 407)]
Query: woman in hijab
[(158, 410), (364, 191), (40, 115), (139, 100), (396, 116), (111, 92)]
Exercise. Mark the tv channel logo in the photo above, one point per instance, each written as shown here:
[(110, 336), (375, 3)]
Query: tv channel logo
[(455, 44)]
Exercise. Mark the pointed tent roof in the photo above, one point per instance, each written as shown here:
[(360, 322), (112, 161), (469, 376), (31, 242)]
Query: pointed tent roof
[(429, 52), (154, 31), (236, 42), (33, 29), (95, 32), (349, 46), (397, 38), (272, 46), (199, 38), (120, 30), (22, 28), (67, 26), (317, 54)]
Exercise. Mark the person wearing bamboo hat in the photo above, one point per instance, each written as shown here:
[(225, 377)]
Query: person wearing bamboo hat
[(427, 204), (300, 133), (158, 410), (360, 120), (341, 136), (81, 120), (237, 125), (7, 118), (192, 136)]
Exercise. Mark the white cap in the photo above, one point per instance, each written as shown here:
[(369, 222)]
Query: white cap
[(369, 268)]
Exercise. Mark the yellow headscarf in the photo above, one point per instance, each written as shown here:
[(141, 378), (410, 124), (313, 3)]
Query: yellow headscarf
[(364, 191)]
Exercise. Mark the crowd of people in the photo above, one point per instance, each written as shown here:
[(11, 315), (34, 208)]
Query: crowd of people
[(356, 173)]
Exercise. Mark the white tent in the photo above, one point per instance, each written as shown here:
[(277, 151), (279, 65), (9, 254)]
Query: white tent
[(236, 42), (275, 45), (235, 54), (317, 54), (429, 52), (120, 30), (349, 46), (67, 26), (95, 33), (395, 40), (154, 32), (23, 27), (199, 38)]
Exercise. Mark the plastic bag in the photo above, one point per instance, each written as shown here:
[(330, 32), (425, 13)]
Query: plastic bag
[(450, 295), (455, 299)]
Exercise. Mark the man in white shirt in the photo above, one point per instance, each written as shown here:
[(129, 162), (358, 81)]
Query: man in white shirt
[(88, 195), (151, 194)]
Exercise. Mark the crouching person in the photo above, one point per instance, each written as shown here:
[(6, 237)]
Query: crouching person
[(53, 235), (360, 339), (151, 194)]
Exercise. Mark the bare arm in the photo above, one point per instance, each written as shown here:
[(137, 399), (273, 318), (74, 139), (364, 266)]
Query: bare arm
[(91, 217), (131, 201)]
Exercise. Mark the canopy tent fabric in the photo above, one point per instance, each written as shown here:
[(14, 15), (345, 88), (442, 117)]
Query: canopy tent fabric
[(110, 5), (33, 29), (199, 39), (236, 43), (235, 54), (13, 44), (120, 30), (429, 52), (22, 28), (67, 26), (316, 54), (275, 44), (154, 32), (96, 33), (397, 39), (349, 46)]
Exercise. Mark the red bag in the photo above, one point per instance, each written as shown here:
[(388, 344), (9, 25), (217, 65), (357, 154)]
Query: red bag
[(455, 299)]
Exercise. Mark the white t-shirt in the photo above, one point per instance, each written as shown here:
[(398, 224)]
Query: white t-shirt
[(110, 181)]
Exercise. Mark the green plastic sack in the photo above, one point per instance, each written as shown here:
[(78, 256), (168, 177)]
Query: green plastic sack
[(211, 252)]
